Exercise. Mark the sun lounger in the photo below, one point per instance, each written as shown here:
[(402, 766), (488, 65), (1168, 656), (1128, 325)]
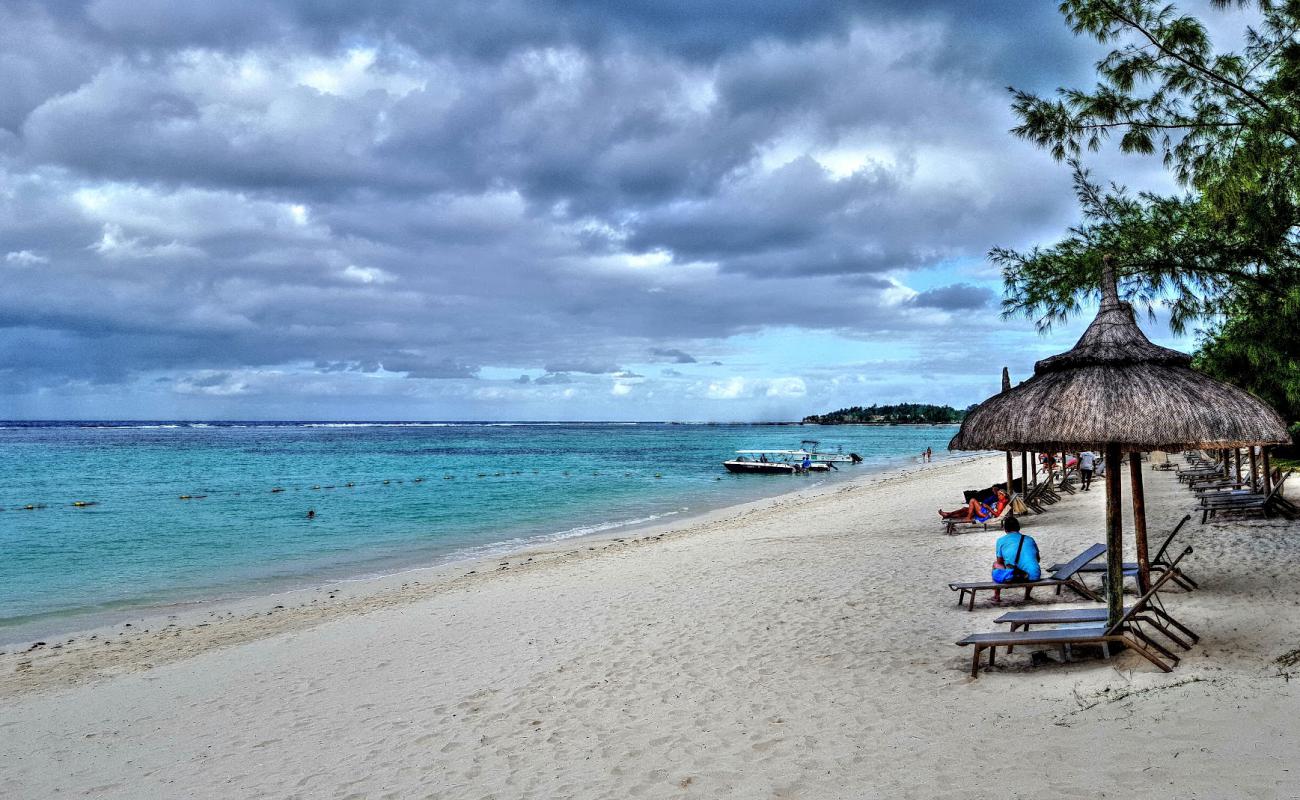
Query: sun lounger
[(1125, 632), (950, 525), (1214, 503), (1159, 563), (1039, 496), (1021, 620), (1063, 577)]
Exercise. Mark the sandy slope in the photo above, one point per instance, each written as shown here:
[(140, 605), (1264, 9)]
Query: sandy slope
[(799, 649)]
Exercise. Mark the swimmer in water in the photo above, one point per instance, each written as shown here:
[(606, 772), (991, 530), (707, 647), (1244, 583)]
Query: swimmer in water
[(311, 513)]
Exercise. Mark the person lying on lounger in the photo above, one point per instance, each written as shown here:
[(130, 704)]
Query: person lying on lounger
[(975, 511)]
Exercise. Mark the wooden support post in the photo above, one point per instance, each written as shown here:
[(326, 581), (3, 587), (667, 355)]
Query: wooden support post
[(1114, 538), (1024, 471), (1254, 469), (1236, 463), (1033, 462), (1268, 471), (1139, 521), (1008, 473)]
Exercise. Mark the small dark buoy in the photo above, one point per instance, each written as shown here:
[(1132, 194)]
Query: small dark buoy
[(311, 513)]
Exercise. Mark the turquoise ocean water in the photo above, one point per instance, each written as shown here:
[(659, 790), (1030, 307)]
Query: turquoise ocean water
[(386, 497)]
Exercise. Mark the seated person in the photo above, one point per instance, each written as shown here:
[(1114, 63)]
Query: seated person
[(1015, 551), (975, 511)]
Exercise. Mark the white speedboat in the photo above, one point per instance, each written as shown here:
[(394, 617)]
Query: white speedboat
[(774, 462), (838, 457)]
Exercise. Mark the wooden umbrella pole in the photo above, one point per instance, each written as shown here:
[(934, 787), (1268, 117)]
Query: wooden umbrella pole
[(1033, 462), (1254, 468), (1268, 472), (1114, 538), (1008, 473), (1024, 471), (1236, 463), (1139, 520)]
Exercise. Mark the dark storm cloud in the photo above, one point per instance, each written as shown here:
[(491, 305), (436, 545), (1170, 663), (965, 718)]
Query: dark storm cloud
[(957, 297), (697, 31), (677, 356), (588, 367), (550, 379), (380, 192)]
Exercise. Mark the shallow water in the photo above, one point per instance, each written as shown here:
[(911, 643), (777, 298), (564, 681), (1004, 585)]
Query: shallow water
[(386, 496)]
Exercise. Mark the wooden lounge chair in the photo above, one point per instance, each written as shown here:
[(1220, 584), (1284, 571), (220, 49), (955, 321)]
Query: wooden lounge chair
[(1063, 577), (950, 525), (1159, 563), (1039, 496), (1214, 503), (1159, 617), (1067, 481), (1125, 632)]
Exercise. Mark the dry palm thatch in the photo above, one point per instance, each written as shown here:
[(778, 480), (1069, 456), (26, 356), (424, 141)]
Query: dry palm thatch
[(1117, 388)]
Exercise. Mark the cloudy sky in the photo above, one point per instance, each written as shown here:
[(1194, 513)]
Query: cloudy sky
[(528, 209)]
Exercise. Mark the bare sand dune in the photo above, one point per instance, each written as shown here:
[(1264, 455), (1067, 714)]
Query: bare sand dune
[(801, 649)]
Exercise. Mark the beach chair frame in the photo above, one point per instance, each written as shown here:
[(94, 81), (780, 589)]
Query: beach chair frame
[(1124, 632), (1064, 577)]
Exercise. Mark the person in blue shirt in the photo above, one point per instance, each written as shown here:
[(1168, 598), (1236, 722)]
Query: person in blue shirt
[(1018, 551)]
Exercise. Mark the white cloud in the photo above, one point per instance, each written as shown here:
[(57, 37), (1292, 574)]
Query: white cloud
[(729, 389), (25, 258), (115, 244), (787, 387), (366, 274)]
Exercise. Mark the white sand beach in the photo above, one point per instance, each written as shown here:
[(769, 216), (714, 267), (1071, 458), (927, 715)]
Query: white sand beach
[(801, 648)]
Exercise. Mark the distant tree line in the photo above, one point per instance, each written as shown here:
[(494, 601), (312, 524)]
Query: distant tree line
[(899, 414)]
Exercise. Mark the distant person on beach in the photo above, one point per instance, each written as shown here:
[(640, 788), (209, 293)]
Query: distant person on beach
[(976, 511), (1015, 557), (1087, 461), (929, 454)]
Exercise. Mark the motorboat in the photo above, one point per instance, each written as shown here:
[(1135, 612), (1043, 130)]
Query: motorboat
[(838, 457), (774, 462)]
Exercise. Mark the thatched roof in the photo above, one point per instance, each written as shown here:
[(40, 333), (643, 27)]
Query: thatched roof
[(1116, 387)]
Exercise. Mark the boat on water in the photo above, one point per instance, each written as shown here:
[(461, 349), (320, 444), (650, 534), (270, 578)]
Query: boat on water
[(786, 462), (838, 457)]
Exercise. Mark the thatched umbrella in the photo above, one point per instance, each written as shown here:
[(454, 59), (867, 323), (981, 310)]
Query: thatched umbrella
[(1117, 392)]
